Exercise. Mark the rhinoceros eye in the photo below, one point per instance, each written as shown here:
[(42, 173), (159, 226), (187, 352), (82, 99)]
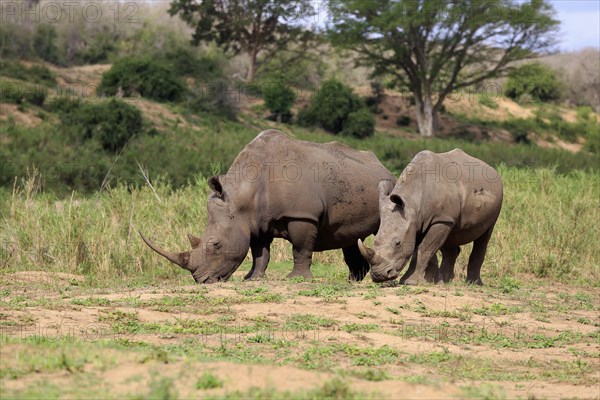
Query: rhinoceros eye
[(216, 245), (397, 242)]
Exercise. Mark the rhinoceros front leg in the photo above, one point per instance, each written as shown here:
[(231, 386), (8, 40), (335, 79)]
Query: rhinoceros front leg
[(434, 239), (261, 254), (431, 273), (359, 267), (302, 235)]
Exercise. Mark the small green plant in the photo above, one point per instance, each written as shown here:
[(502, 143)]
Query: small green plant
[(162, 388), (486, 101), (208, 381), (509, 284), (374, 375)]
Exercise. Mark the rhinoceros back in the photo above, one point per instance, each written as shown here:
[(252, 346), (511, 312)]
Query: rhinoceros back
[(328, 183)]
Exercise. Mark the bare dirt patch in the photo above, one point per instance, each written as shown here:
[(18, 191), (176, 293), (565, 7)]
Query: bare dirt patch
[(274, 335)]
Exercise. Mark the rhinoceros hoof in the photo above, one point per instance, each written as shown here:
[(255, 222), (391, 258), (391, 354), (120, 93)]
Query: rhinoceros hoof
[(255, 277), (302, 274), (477, 282), (414, 281)]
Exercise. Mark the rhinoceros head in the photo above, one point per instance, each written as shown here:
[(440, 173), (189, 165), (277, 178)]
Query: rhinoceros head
[(223, 245), (395, 239)]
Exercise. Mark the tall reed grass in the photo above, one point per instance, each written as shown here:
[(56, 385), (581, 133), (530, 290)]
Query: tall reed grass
[(548, 228)]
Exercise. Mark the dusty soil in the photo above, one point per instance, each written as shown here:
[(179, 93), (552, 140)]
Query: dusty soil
[(448, 341)]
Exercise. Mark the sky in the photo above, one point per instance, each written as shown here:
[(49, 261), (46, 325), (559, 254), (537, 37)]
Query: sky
[(580, 25)]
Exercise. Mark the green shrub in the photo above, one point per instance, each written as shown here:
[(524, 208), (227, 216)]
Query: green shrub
[(360, 124), (332, 104), (486, 101), (112, 122), (100, 47), (20, 93), (34, 74), (208, 381), (149, 78), (306, 118), (403, 120), (185, 60), (10, 93), (44, 43), (535, 80), (279, 99), (214, 97), (285, 66)]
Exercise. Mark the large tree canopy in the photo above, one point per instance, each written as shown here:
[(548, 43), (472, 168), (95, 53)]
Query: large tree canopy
[(434, 47), (246, 26)]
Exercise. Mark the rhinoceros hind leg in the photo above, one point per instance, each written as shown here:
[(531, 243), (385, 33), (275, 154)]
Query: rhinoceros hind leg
[(477, 256), (449, 256), (302, 236), (261, 254), (359, 267)]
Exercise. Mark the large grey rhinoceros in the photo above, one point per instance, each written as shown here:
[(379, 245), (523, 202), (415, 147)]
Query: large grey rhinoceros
[(317, 196), (440, 202)]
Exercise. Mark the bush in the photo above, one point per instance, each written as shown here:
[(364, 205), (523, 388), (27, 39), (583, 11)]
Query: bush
[(185, 60), (44, 43), (19, 93), (306, 118), (535, 80), (360, 124), (214, 98), (149, 78), (100, 47), (285, 66), (403, 120), (332, 104), (486, 101), (279, 99), (33, 74), (111, 122)]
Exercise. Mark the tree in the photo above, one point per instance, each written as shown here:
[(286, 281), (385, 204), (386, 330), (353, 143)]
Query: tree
[(434, 47), (246, 26)]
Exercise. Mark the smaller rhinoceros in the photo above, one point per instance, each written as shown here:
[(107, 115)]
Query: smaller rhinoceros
[(317, 196), (440, 202)]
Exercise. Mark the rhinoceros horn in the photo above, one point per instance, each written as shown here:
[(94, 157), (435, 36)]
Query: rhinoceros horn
[(181, 259), (366, 252)]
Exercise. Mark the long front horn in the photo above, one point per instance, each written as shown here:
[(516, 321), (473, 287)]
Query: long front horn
[(181, 259), (366, 252)]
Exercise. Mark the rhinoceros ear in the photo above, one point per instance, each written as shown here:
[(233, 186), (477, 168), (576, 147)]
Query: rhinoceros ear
[(194, 241), (397, 200), (215, 184), (384, 187)]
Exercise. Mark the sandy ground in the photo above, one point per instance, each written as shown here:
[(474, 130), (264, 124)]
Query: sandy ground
[(443, 340)]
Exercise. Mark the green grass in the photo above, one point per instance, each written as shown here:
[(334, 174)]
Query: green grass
[(208, 381), (543, 230)]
